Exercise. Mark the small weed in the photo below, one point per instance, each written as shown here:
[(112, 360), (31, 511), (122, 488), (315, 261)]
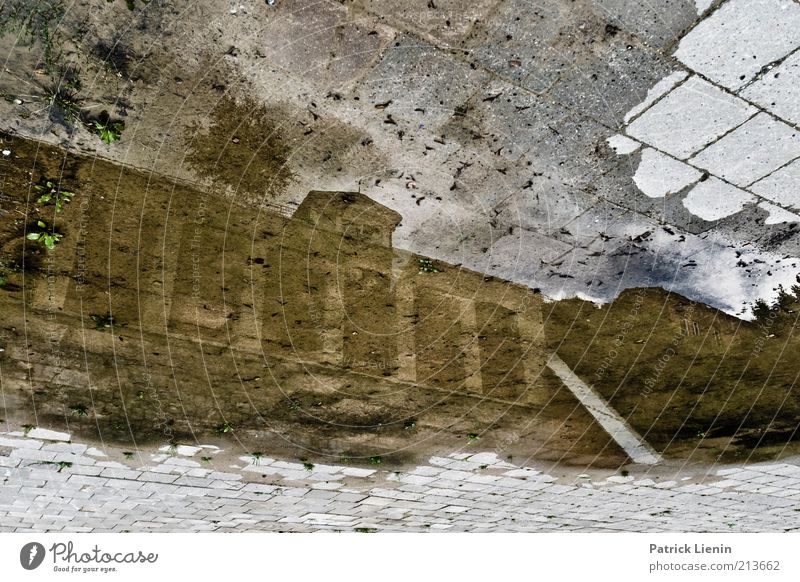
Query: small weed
[(224, 428), (255, 457), (206, 460), (51, 193), (79, 410), (33, 22), (48, 238), (128, 455), (701, 435), (410, 425), (473, 436), (103, 322), (26, 428), (426, 266), (307, 465), (377, 460), (63, 105), (140, 395), (365, 530), (482, 467), (60, 464), (109, 131), (624, 473)]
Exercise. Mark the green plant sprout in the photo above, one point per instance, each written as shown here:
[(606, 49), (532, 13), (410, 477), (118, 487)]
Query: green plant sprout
[(44, 236), (375, 460), (473, 436), (426, 266), (224, 428), (109, 131), (51, 193), (79, 410)]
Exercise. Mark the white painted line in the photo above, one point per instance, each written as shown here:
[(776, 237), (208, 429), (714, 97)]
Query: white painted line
[(635, 447)]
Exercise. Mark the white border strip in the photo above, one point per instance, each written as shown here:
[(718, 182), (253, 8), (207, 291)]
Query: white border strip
[(635, 447)]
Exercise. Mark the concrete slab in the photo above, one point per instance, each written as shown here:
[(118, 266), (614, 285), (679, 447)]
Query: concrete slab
[(659, 174), (776, 90), (510, 121), (778, 215), (528, 44), (322, 43), (714, 199), (660, 89), (782, 186), (657, 24), (734, 43), (752, 151), (417, 83), (690, 117), (623, 145), (608, 82), (447, 21)]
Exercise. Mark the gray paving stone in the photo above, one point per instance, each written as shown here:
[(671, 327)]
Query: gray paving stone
[(607, 83), (420, 83), (113, 473), (657, 24)]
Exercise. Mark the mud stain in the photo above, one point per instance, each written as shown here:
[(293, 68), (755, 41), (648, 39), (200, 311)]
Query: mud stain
[(244, 148)]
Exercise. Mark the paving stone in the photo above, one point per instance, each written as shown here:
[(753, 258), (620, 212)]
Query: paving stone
[(733, 44), (657, 24), (752, 151), (782, 186), (158, 477), (114, 473), (690, 117), (776, 90), (448, 21), (714, 199), (420, 83), (528, 44), (604, 85), (32, 455)]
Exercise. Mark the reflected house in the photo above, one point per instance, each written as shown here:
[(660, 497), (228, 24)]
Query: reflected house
[(226, 313), (380, 311)]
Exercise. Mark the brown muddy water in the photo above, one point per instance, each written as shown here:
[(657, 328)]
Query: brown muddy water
[(167, 313)]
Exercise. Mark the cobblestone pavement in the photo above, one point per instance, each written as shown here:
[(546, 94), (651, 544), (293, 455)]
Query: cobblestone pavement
[(51, 484)]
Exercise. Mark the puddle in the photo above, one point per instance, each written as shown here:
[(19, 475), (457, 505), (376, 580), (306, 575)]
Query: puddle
[(167, 313)]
